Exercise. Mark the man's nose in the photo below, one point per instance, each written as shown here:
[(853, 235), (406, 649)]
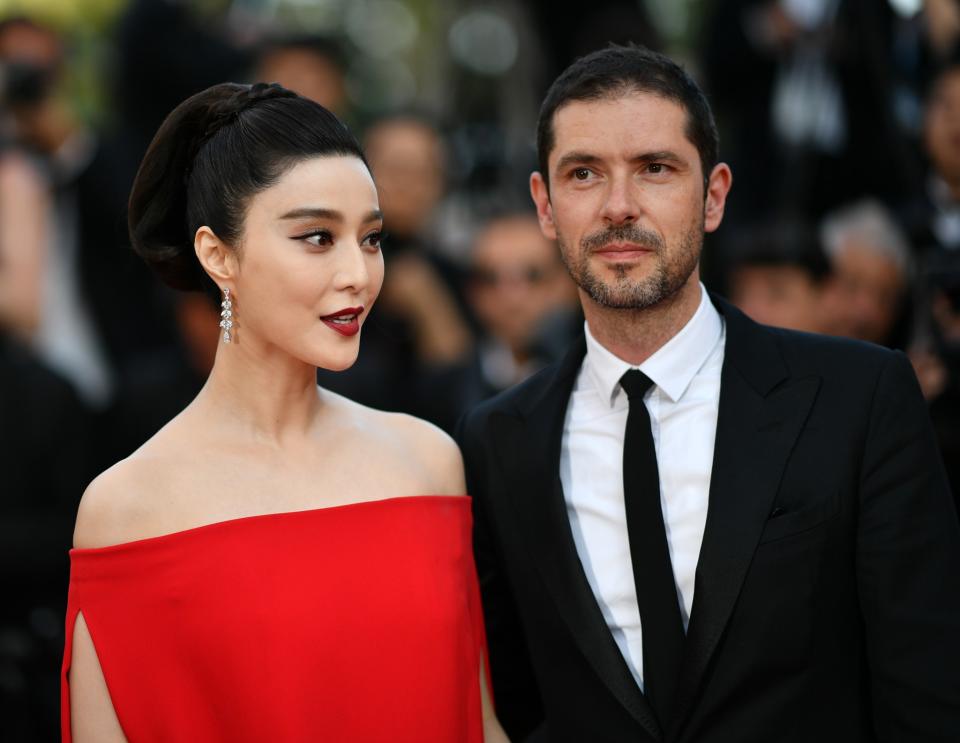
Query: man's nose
[(622, 201)]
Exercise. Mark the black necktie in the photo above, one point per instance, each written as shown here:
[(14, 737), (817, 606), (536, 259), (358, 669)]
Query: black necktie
[(652, 571)]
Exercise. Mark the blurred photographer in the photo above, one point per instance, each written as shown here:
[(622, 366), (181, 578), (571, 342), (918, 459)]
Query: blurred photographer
[(41, 126), (43, 427)]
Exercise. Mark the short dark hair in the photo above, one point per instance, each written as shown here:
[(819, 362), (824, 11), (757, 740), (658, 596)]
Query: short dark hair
[(211, 155), (781, 241), (618, 70)]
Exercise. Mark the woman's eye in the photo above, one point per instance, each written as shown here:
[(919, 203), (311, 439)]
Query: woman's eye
[(374, 239), (319, 238)]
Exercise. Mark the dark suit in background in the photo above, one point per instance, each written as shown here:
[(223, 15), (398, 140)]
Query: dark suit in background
[(827, 595)]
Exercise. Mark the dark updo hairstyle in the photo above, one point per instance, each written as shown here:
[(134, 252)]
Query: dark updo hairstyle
[(211, 155)]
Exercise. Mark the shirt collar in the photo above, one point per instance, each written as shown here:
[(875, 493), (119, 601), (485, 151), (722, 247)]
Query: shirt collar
[(671, 368)]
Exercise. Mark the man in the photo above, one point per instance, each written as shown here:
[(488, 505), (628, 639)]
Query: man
[(797, 577), (524, 302), (932, 214), (870, 268), (313, 66), (777, 273)]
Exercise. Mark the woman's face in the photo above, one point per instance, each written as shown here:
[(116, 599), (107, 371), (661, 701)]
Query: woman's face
[(309, 265)]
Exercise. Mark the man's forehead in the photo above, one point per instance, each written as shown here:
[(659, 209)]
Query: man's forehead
[(621, 96), (649, 117)]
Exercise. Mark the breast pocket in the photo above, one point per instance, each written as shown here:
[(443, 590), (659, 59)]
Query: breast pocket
[(791, 522)]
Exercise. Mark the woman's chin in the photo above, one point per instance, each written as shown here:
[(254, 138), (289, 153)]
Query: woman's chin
[(336, 362)]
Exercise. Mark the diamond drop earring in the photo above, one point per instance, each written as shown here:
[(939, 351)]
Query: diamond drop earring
[(227, 316)]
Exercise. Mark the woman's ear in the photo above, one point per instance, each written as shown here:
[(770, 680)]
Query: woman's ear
[(218, 260)]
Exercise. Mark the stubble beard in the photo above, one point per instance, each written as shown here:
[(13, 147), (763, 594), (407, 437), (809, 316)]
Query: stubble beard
[(671, 269)]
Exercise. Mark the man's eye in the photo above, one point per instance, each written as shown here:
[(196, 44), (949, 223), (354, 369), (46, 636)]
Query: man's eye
[(581, 174), (656, 168)]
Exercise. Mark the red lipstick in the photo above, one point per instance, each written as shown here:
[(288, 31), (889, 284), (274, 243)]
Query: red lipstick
[(345, 321)]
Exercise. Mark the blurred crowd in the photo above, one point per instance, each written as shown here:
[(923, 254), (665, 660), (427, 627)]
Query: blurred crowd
[(840, 119)]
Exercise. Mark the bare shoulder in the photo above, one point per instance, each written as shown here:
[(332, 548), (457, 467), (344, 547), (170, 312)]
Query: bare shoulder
[(416, 445), (133, 499), (434, 448), (114, 504)]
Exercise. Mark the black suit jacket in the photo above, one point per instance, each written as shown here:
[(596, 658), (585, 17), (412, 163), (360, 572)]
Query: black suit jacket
[(827, 595)]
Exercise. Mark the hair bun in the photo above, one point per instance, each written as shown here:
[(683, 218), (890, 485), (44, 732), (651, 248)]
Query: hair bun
[(266, 91), (250, 95), (245, 97)]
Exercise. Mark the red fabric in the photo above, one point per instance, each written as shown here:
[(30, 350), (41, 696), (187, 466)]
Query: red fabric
[(353, 623)]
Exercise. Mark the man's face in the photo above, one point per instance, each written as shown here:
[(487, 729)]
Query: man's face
[(626, 200), (308, 73), (863, 294), (517, 281), (406, 158), (942, 127), (783, 296)]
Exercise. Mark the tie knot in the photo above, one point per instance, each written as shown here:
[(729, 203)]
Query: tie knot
[(635, 383)]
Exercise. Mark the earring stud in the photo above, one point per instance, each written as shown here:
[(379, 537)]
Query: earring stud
[(226, 315)]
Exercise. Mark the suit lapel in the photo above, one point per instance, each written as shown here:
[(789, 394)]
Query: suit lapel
[(762, 411), (530, 449)]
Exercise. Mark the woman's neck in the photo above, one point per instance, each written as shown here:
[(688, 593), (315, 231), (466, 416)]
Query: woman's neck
[(262, 392)]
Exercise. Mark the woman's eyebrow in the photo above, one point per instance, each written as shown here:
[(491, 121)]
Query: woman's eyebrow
[(318, 212), (313, 211)]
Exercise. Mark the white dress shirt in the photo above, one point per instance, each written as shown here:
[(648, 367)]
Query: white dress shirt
[(683, 408)]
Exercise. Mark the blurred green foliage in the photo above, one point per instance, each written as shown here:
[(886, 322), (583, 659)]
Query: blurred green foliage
[(67, 16), (85, 27)]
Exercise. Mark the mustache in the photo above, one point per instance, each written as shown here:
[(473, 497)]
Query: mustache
[(624, 233)]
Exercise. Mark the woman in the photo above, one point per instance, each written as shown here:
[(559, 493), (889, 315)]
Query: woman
[(277, 563)]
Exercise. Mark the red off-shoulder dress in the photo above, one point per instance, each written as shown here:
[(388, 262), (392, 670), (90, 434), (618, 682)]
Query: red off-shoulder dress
[(352, 623)]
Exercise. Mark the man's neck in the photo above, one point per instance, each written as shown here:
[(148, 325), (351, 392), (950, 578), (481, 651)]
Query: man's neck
[(635, 335)]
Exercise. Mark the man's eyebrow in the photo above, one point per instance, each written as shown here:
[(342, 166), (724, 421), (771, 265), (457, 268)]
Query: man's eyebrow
[(646, 157), (317, 212), (580, 158), (586, 158)]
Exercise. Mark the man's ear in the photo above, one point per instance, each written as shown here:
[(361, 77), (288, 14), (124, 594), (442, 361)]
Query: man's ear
[(541, 198), (217, 259), (721, 178)]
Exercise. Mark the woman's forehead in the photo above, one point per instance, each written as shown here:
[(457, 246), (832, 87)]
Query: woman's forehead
[(338, 182)]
